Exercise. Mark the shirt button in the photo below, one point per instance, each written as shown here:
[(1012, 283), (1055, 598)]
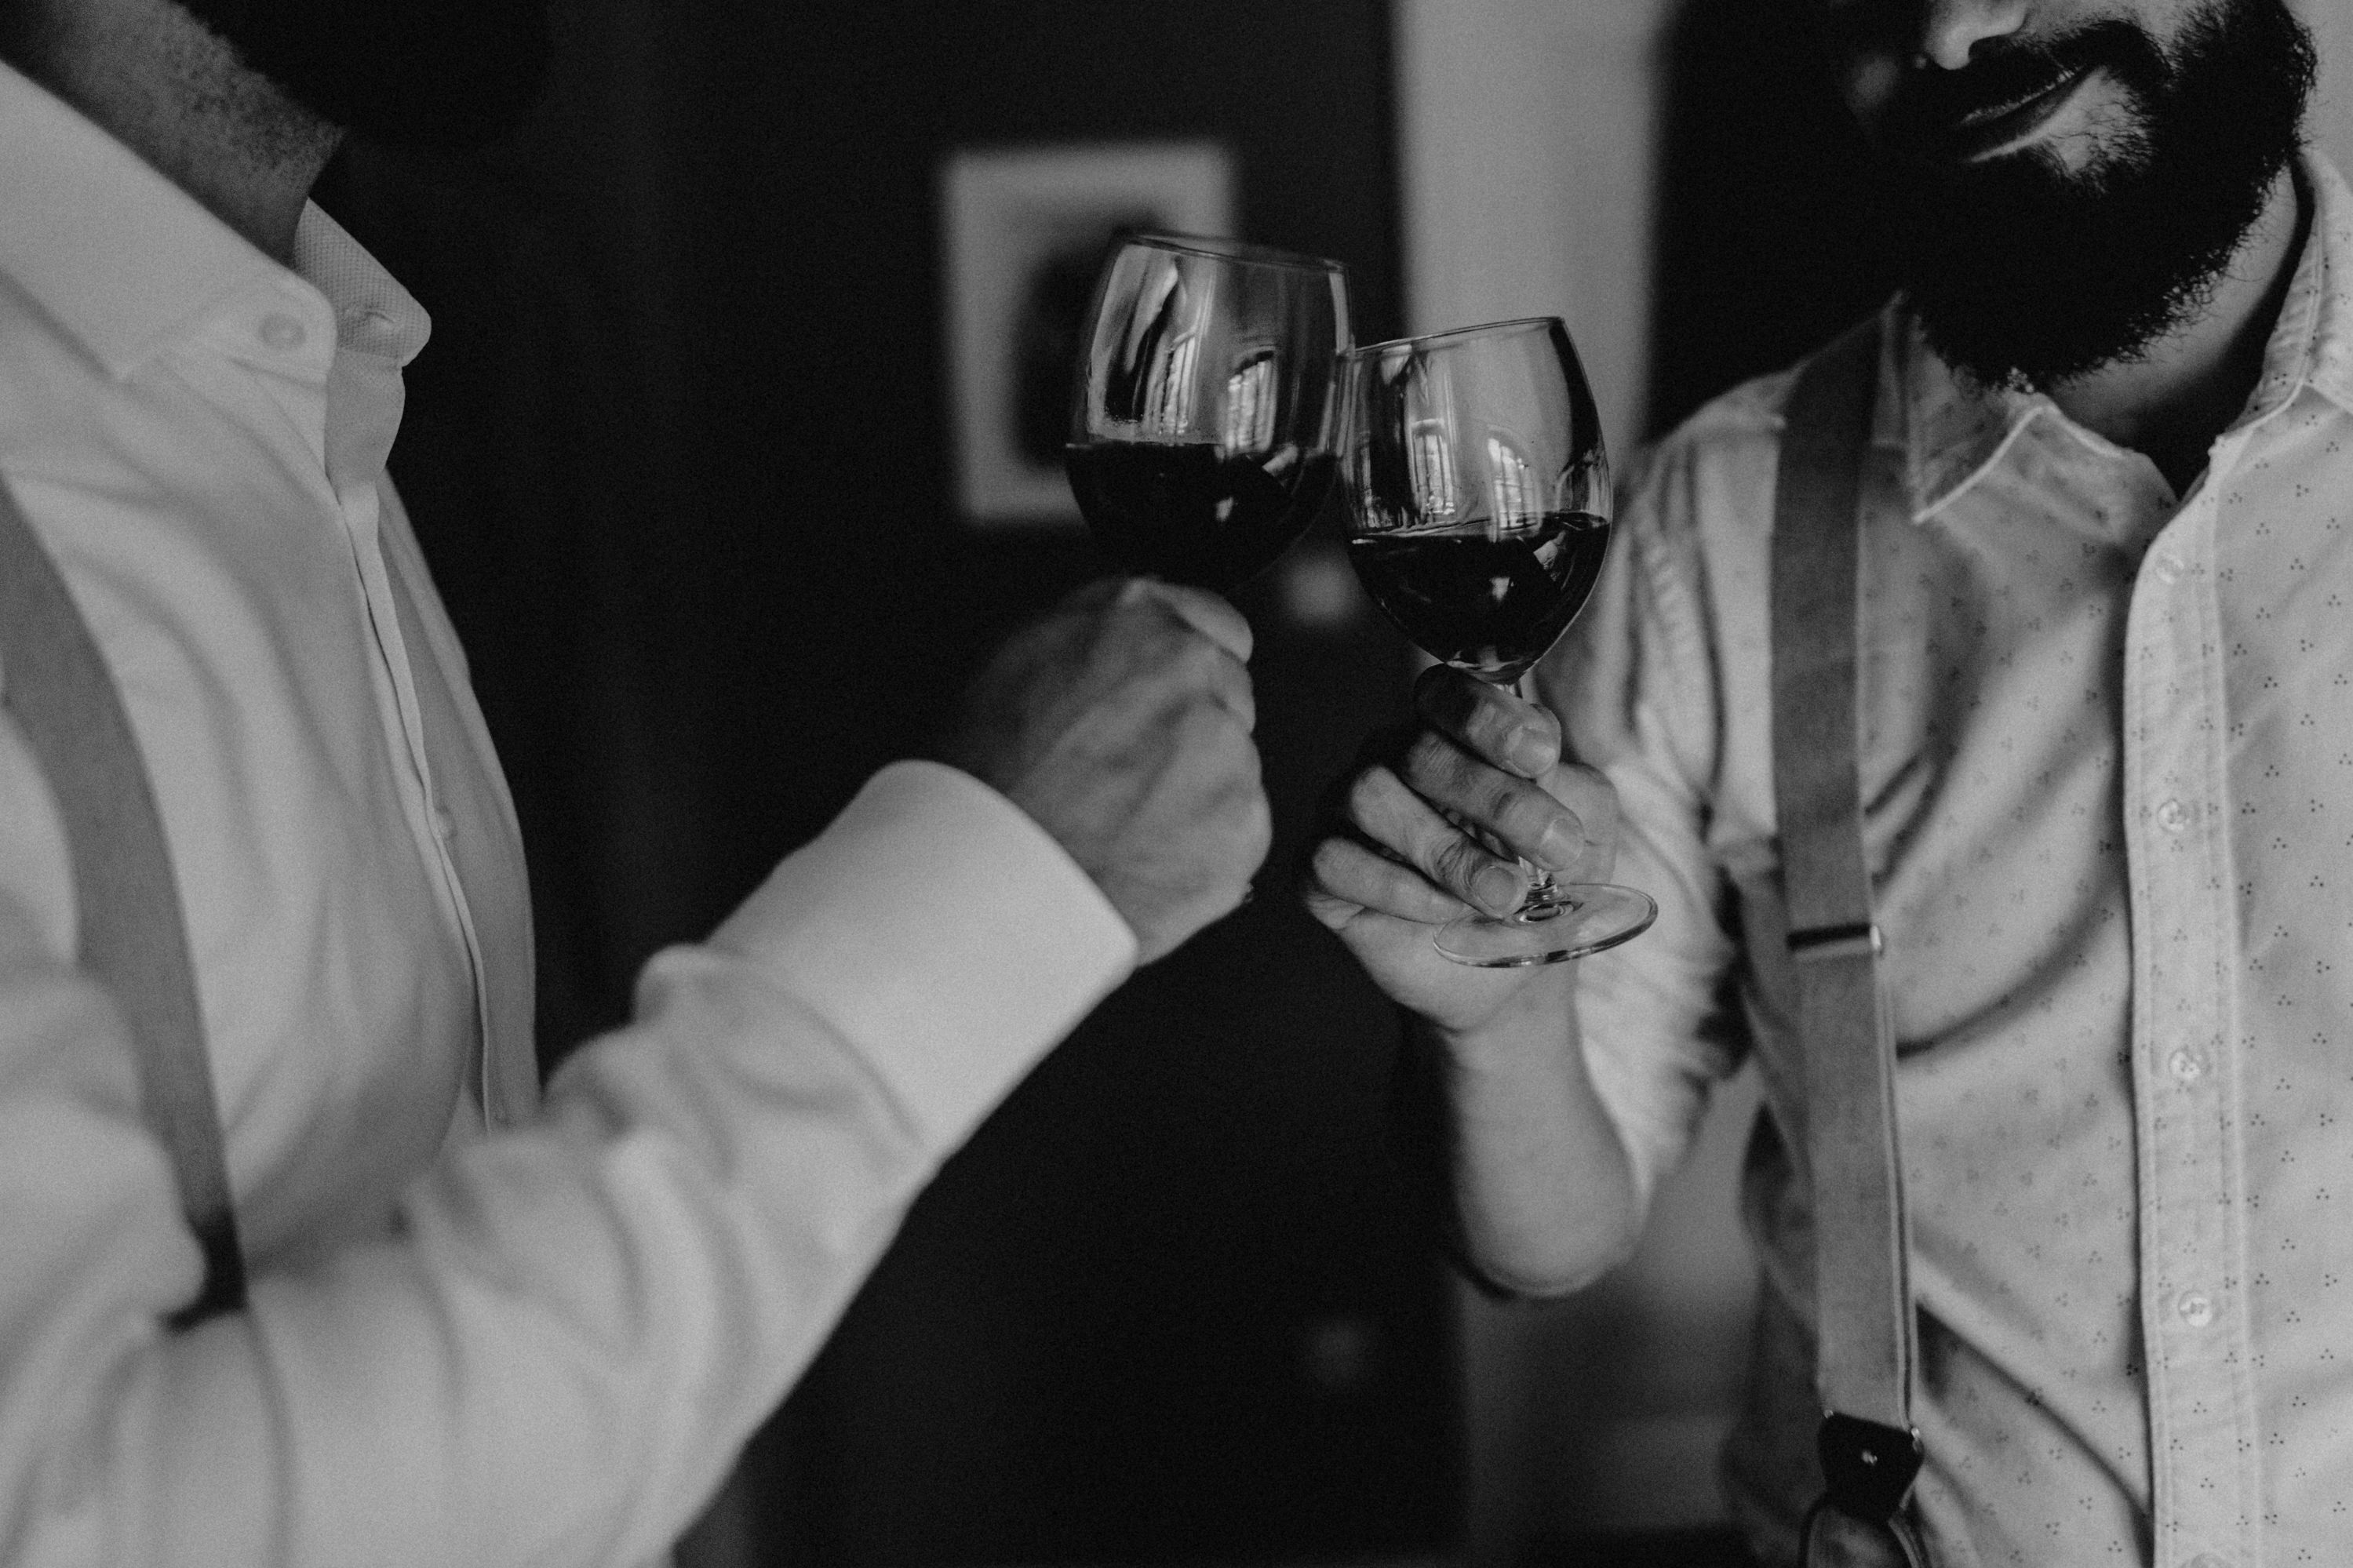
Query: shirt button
[(2188, 1066), (2173, 817), (282, 332), (2197, 1308), (2207, 1559), (2169, 568)]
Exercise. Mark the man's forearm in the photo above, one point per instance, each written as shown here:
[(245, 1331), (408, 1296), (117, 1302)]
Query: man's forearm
[(1524, 1169)]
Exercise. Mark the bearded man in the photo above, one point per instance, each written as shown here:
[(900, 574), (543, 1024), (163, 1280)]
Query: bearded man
[(2104, 539), (295, 1265)]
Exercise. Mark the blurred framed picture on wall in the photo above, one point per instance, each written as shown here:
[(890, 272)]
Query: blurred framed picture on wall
[(1023, 231)]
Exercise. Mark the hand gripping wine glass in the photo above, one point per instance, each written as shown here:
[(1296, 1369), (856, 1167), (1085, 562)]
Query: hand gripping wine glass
[(1202, 436), (1478, 516)]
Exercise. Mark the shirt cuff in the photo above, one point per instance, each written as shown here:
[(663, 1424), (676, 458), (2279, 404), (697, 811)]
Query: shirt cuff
[(945, 934)]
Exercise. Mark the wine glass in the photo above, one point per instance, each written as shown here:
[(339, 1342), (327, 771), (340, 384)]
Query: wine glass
[(1478, 516), (1201, 439)]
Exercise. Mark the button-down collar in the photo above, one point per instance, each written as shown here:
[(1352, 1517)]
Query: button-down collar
[(1953, 433), (126, 262)]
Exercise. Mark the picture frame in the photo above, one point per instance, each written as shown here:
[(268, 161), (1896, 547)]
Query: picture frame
[(1024, 230)]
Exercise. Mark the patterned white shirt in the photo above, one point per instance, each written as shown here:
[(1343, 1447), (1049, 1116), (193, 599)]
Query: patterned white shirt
[(2107, 768)]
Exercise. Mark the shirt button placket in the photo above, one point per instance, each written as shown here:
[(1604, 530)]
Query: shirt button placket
[(2176, 855)]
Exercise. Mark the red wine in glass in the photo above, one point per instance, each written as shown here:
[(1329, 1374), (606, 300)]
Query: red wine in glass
[(1201, 434), (1477, 520), (1492, 603), (1190, 514)]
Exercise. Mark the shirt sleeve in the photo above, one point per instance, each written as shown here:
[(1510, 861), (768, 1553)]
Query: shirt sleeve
[(556, 1354), (1634, 688)]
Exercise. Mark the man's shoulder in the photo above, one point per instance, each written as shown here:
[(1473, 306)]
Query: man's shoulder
[(1751, 411), (1720, 458), (1710, 468), (1745, 414)]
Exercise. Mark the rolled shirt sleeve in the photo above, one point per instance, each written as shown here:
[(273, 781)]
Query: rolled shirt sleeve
[(570, 1327), (1632, 687)]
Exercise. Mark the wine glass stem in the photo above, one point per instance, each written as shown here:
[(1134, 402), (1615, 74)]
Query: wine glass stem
[(1543, 893)]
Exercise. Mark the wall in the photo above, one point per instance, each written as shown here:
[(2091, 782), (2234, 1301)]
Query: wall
[(2332, 120)]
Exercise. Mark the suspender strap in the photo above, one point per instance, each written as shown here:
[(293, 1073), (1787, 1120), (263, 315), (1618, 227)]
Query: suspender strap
[(1863, 1293), (65, 703)]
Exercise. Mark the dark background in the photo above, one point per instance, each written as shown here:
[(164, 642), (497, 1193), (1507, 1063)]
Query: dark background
[(678, 454)]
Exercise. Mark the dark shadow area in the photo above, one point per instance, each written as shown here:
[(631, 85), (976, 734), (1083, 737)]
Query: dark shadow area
[(1766, 239), (1656, 1548), (678, 452)]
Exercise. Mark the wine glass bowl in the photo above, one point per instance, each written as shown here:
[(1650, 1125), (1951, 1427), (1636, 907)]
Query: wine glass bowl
[(1479, 513), (1203, 426)]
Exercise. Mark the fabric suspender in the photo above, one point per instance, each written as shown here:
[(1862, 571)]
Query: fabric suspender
[(55, 683), (1863, 1292)]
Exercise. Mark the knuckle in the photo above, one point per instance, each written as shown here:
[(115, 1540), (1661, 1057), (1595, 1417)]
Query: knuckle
[(1211, 731), (1230, 684), (1498, 801), (1431, 760), (1452, 861), (1520, 811), (1194, 661)]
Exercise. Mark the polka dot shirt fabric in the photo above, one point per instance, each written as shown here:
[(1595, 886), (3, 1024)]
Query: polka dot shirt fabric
[(2107, 767)]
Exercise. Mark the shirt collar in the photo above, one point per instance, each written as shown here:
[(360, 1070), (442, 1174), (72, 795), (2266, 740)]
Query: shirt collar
[(126, 262), (1953, 433)]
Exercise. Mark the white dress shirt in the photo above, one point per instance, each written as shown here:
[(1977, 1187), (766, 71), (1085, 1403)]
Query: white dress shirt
[(2107, 769), (541, 1344)]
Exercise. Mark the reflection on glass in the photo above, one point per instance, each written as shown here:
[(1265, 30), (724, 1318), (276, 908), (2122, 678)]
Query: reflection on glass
[(1168, 387), (1201, 433), (1508, 487), (1429, 457), (1249, 407)]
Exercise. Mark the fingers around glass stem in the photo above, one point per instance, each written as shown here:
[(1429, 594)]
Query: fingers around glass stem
[(1556, 921)]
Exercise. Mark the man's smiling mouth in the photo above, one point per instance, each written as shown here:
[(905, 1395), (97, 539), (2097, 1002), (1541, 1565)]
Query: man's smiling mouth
[(1983, 132)]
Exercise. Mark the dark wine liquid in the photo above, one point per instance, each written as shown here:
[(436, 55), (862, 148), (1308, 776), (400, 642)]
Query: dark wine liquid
[(1486, 603), (1187, 514)]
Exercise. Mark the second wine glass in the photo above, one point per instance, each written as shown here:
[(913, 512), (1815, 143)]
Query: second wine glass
[(1201, 436), (1479, 511)]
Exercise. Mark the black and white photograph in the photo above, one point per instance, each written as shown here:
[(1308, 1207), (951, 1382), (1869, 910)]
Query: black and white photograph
[(1367, 783)]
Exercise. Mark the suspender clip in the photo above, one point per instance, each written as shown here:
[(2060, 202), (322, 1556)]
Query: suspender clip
[(1837, 942)]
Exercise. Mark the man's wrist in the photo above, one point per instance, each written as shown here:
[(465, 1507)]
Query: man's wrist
[(1539, 1016)]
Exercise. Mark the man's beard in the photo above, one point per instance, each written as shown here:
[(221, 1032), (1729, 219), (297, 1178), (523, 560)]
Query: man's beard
[(2024, 274), (422, 73)]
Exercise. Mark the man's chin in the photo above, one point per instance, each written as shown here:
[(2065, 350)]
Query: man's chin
[(2024, 271)]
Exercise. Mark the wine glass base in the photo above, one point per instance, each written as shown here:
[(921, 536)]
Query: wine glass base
[(1578, 919)]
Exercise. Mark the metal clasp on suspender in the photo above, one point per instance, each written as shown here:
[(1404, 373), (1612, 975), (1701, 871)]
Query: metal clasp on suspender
[(1858, 940)]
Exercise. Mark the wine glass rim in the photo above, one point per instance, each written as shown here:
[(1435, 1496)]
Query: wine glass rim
[(1222, 248), (1477, 330)]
